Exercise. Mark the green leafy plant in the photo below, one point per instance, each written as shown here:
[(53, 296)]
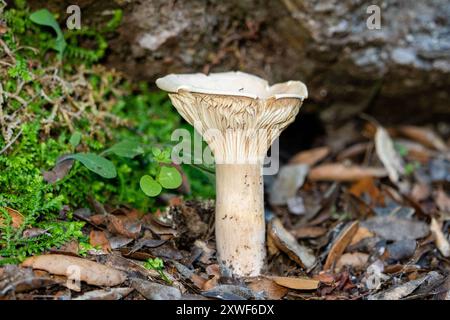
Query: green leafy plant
[(160, 176), (158, 265), (45, 18)]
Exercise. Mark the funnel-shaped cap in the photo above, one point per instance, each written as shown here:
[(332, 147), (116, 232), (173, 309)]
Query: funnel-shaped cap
[(238, 114)]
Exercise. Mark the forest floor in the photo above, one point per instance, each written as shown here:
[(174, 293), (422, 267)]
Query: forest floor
[(373, 230), (362, 213)]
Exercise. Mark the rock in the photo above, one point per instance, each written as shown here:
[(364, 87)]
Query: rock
[(317, 42)]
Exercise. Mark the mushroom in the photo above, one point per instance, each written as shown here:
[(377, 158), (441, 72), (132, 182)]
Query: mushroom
[(239, 115)]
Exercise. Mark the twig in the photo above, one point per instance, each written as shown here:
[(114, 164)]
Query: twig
[(11, 142)]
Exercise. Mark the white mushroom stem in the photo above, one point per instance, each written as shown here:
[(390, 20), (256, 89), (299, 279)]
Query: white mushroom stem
[(240, 225), (239, 115)]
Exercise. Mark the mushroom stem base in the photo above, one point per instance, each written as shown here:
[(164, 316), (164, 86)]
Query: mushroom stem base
[(240, 225)]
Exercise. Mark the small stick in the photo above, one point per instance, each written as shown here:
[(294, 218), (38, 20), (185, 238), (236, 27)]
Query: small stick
[(11, 142)]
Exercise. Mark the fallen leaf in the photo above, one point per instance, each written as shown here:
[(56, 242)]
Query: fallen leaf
[(207, 253), (16, 217), (199, 281), (289, 180), (424, 136), (367, 186), (155, 291), (354, 150), (289, 245), (400, 250), (306, 232), (394, 228), (123, 226), (98, 238), (416, 151), (110, 294), (420, 191), (149, 243), (296, 205), (375, 277), (400, 291), (355, 260), (441, 241), (59, 171), (439, 170), (14, 279), (296, 283), (229, 292), (311, 156), (341, 172), (272, 290), (388, 155), (340, 244), (442, 200), (91, 272), (361, 234), (117, 242), (325, 277), (35, 232)]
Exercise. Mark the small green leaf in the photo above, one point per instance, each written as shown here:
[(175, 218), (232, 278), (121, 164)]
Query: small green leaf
[(156, 151), (150, 186), (45, 18), (126, 149), (75, 139), (170, 178), (96, 163)]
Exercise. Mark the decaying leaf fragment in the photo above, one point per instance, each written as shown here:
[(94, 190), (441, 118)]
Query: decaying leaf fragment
[(340, 244), (388, 155), (91, 272), (441, 241), (287, 243), (342, 172), (297, 283)]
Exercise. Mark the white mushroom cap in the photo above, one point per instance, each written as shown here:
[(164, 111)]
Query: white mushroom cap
[(233, 83), (238, 114)]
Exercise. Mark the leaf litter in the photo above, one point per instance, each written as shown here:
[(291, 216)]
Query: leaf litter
[(354, 222)]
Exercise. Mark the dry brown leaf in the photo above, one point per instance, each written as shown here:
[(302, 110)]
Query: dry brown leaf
[(111, 294), (16, 216), (361, 233), (296, 283), (305, 232), (198, 281), (424, 136), (286, 242), (325, 277), (356, 260), (98, 238), (388, 155), (442, 200), (441, 241), (91, 272), (211, 283), (341, 172), (272, 290), (310, 157), (367, 185), (416, 151), (354, 150), (420, 191), (340, 244), (124, 226), (98, 219)]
